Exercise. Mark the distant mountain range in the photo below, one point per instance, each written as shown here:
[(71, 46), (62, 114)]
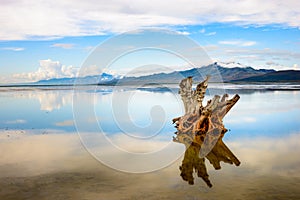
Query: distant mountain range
[(277, 76), (219, 73), (95, 79)]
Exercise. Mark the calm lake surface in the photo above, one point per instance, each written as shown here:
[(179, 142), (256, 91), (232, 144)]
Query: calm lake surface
[(47, 132)]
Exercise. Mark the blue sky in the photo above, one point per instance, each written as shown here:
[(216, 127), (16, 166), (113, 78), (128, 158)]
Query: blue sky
[(48, 39)]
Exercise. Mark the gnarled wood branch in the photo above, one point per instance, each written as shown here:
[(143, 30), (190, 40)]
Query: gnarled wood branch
[(201, 130)]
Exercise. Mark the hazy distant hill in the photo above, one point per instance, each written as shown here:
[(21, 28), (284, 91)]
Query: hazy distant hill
[(277, 76), (95, 79), (218, 71)]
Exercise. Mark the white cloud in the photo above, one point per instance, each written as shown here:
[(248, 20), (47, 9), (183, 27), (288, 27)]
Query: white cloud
[(13, 48), (90, 70), (202, 30), (17, 121), (271, 63), (238, 43), (31, 19), (63, 45), (260, 58), (211, 33), (152, 69), (238, 51), (211, 47), (88, 48), (278, 54), (48, 69), (65, 123), (248, 43), (279, 66), (183, 32), (232, 42)]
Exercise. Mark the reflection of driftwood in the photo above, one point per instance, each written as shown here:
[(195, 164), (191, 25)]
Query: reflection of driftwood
[(201, 129), (192, 161)]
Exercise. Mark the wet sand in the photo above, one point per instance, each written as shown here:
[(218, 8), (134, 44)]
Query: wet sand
[(62, 169), (113, 185)]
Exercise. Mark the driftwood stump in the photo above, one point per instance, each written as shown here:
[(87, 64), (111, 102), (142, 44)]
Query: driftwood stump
[(201, 130)]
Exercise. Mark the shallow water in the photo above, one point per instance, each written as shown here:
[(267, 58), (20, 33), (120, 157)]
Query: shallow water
[(42, 155)]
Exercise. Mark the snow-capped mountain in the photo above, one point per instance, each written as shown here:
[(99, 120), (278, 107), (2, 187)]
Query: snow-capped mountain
[(231, 64)]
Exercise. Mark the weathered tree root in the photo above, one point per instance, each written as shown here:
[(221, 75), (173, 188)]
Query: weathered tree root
[(201, 130)]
